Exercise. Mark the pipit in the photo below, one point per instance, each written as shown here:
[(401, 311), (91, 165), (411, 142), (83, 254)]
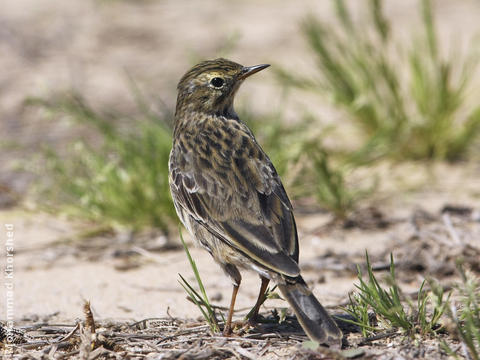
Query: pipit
[(229, 196)]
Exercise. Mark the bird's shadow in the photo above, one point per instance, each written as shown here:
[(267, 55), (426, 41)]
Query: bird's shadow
[(288, 326)]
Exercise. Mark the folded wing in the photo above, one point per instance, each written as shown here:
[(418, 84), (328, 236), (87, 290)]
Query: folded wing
[(243, 203)]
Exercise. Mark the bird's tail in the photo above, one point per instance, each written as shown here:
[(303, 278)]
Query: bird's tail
[(313, 317)]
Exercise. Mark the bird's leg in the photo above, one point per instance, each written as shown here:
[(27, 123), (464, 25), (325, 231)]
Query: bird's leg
[(227, 330), (234, 274), (261, 298)]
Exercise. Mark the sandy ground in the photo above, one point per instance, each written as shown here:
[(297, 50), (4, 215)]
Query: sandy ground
[(56, 270), (46, 282)]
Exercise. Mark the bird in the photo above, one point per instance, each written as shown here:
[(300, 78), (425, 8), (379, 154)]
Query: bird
[(229, 196)]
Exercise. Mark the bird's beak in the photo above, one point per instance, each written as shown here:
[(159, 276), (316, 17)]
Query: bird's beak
[(250, 70)]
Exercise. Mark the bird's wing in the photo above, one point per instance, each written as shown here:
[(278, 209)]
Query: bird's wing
[(238, 197)]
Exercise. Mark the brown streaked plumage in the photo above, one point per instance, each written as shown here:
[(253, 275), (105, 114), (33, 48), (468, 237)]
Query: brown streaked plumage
[(229, 196)]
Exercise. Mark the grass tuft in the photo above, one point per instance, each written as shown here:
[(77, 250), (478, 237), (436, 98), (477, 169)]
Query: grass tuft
[(422, 317), (466, 318), (201, 300)]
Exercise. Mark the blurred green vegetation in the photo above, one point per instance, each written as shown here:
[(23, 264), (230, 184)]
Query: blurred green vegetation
[(121, 182), (406, 102), (307, 169)]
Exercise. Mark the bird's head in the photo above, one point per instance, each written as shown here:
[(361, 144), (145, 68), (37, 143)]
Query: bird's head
[(210, 86)]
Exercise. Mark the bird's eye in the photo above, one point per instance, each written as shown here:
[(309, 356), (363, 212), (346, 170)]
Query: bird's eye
[(217, 82)]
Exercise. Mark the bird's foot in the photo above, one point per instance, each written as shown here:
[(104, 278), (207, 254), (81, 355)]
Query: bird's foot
[(237, 327), (227, 331), (254, 320)]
